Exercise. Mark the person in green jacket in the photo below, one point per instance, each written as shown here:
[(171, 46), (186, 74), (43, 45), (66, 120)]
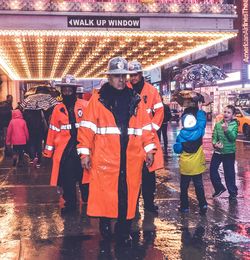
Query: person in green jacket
[(224, 141)]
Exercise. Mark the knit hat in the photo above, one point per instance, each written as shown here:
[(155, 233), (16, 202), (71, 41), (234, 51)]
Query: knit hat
[(188, 121)]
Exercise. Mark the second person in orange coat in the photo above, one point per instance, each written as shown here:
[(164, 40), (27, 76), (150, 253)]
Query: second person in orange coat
[(152, 104)]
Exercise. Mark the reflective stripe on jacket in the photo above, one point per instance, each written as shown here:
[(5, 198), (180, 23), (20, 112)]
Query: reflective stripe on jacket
[(152, 103), (99, 137), (59, 134)]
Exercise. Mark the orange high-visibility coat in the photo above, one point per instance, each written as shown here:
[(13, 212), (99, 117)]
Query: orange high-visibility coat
[(59, 134), (99, 137), (152, 103)]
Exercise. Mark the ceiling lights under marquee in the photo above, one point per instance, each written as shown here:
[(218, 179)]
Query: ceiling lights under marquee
[(43, 54), (120, 6)]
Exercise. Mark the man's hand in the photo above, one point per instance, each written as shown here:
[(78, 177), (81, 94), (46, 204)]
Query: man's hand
[(200, 105), (218, 145), (46, 155), (225, 126), (149, 159), (86, 163)]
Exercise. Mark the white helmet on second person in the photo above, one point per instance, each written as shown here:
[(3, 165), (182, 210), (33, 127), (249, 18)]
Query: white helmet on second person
[(135, 66)]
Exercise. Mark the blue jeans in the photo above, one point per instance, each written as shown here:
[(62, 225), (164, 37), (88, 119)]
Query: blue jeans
[(227, 161), (199, 190)]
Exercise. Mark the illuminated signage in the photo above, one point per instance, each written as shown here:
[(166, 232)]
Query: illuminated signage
[(245, 35), (103, 21), (136, 1)]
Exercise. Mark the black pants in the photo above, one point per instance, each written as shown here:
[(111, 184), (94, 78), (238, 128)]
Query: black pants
[(199, 190), (148, 187), (227, 161), (163, 130), (18, 151), (70, 174), (35, 148)]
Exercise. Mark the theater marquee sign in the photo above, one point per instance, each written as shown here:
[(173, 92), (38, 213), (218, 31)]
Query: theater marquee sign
[(103, 22), (245, 30)]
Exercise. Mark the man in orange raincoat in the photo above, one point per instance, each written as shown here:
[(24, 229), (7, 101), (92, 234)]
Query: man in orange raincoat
[(112, 137), (152, 103), (62, 140)]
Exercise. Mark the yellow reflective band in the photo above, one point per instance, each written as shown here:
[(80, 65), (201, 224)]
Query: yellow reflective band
[(85, 151), (149, 147), (108, 130), (89, 125), (49, 147), (54, 128), (134, 131), (158, 105), (147, 127), (155, 126)]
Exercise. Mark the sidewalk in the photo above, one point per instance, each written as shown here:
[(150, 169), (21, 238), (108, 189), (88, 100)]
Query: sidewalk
[(32, 226)]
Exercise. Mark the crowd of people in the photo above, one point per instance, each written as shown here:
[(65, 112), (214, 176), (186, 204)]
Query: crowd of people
[(110, 146)]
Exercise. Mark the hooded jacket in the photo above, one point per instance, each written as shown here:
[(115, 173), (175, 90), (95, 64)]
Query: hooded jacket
[(189, 145), (227, 138), (17, 132), (191, 134)]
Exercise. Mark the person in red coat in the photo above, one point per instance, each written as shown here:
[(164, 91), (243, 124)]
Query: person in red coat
[(17, 136)]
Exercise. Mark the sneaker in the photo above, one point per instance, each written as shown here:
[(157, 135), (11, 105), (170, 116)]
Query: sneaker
[(219, 192), (35, 161), (203, 210), (184, 210), (26, 157)]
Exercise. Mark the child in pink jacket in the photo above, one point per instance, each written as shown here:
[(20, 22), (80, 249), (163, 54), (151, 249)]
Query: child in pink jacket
[(17, 136)]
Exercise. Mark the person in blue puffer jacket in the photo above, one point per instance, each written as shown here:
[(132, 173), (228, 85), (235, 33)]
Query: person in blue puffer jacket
[(192, 161)]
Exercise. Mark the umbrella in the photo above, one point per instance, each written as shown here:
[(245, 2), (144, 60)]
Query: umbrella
[(42, 89), (201, 74), (188, 98), (38, 101)]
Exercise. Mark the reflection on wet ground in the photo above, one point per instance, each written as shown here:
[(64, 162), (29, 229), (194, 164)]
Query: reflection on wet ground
[(33, 228)]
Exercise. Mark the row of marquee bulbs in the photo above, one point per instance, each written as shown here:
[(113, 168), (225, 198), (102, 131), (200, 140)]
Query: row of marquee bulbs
[(41, 38), (110, 7)]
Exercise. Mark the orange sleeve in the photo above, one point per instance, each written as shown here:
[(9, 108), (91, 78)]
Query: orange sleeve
[(88, 128), (158, 111), (54, 130), (148, 138)]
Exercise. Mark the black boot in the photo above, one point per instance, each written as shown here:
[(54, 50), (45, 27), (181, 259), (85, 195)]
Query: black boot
[(105, 228), (122, 233)]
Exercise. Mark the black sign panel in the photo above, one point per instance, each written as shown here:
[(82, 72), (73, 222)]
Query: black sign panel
[(103, 21)]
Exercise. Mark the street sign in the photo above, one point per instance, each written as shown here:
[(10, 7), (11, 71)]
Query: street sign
[(103, 21)]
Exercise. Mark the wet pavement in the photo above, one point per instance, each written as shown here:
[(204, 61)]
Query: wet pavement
[(32, 226)]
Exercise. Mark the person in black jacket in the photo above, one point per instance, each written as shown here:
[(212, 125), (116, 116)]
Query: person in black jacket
[(164, 127)]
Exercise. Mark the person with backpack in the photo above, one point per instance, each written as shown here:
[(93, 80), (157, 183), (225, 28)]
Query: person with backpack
[(192, 161)]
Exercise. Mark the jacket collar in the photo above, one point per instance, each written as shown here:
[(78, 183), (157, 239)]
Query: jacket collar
[(107, 93)]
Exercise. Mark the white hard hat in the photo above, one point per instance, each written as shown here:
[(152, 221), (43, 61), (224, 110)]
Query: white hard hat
[(117, 65), (135, 66), (69, 80)]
